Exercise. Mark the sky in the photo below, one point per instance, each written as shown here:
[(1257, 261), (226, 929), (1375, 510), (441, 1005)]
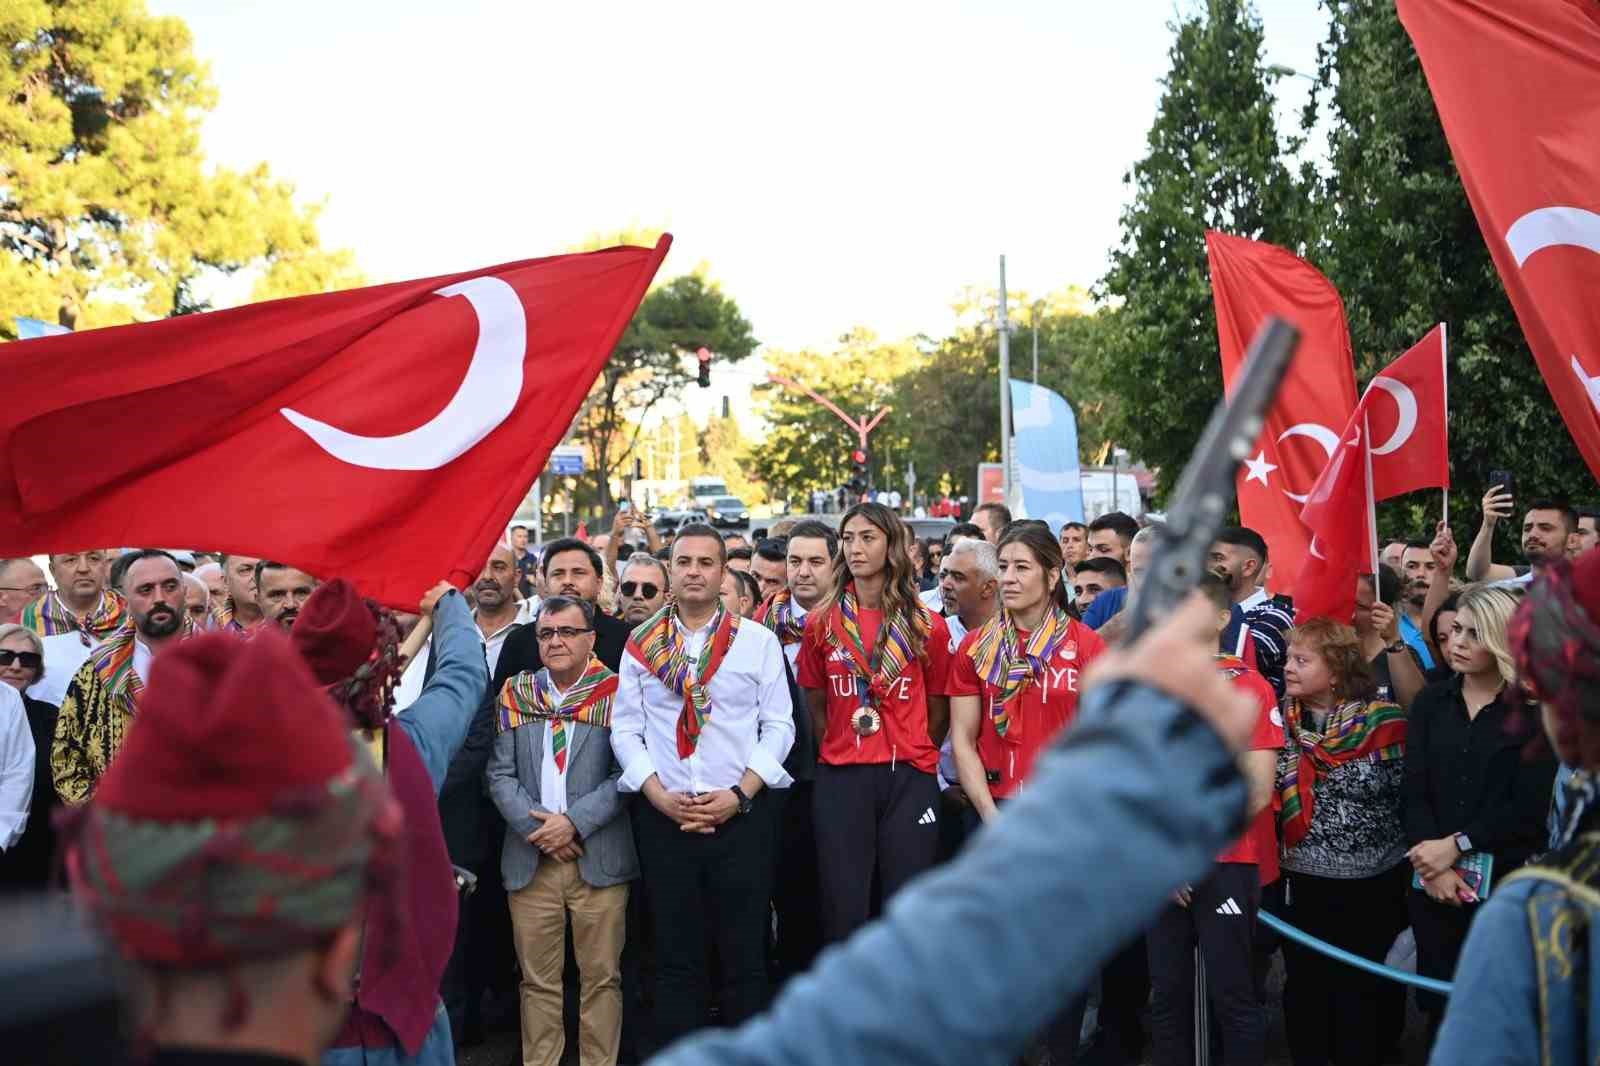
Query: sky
[(833, 164)]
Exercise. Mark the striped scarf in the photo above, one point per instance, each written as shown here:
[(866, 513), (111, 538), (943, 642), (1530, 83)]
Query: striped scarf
[(877, 671), (1353, 731), (659, 645), (1009, 669), (113, 661), (531, 697), (49, 617), (777, 614), (222, 618)]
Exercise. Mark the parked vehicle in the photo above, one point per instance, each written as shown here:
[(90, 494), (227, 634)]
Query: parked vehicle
[(728, 511)]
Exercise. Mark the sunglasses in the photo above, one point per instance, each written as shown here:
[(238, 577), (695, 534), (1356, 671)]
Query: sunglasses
[(30, 660), (643, 589), (564, 632)]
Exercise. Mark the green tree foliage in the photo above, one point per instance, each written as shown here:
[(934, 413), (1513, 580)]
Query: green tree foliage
[(1402, 245), (108, 212), (1215, 161)]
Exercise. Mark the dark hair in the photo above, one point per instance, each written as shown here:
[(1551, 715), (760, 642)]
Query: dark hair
[(1246, 538), (1104, 564), (517, 527), (1389, 583), (1414, 543), (900, 596), (814, 530), (1589, 512), (1073, 525), (562, 603), (748, 585), (263, 565), (570, 544), (1125, 526), (747, 554), (646, 559), (961, 529), (1568, 515), (700, 529), (1046, 551), (773, 549), (663, 554), (1216, 590), (124, 563), (1001, 512)]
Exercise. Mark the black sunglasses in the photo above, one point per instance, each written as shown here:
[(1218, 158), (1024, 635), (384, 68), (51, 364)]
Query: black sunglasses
[(644, 589), (30, 660)]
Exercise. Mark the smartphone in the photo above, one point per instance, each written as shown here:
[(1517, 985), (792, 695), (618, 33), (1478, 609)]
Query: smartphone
[(1505, 479)]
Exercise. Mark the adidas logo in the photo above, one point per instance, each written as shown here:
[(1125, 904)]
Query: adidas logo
[(1229, 907), (927, 817)]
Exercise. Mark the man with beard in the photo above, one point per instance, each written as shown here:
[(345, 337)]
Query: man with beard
[(281, 591), (1417, 567), (1239, 557), (238, 611), (644, 588), (1549, 532), (101, 700), (498, 612), (770, 565)]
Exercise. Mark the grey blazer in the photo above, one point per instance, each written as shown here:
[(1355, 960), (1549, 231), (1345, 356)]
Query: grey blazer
[(595, 806)]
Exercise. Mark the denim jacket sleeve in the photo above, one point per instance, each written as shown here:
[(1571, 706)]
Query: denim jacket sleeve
[(437, 722), (1493, 1015), (1023, 919)]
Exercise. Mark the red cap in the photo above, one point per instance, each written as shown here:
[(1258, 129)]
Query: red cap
[(335, 632), (225, 730)]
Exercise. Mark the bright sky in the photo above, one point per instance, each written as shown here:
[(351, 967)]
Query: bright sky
[(833, 163)]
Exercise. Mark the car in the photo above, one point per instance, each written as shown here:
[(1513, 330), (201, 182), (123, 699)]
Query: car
[(670, 521), (728, 511)]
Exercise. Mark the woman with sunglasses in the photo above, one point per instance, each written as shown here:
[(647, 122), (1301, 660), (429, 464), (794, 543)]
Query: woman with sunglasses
[(27, 864), (873, 662)]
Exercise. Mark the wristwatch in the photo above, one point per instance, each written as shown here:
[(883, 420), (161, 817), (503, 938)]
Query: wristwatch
[(1463, 843), (1396, 648), (744, 801)]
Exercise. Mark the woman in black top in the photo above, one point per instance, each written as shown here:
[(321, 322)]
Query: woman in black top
[(27, 865), (1469, 786)]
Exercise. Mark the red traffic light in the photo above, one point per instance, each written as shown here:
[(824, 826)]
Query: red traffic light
[(704, 355), (858, 456)]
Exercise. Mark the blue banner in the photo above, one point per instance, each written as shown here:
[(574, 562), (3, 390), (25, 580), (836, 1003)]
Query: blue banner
[(29, 328), (1045, 450)]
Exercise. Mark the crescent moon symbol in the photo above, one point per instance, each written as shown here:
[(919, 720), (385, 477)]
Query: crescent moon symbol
[(486, 397), (1550, 226), (1317, 432), (1406, 400)]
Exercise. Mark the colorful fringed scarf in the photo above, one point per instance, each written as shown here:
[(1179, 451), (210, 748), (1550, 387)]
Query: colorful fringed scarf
[(875, 671), (1353, 731), (531, 697), (49, 617), (114, 664), (659, 646), (777, 614), (1008, 668), (222, 618)]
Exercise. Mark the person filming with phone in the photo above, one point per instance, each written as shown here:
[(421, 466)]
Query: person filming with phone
[(1549, 532)]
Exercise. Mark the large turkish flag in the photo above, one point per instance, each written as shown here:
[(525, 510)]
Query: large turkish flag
[(1249, 281), (1517, 85), (384, 434)]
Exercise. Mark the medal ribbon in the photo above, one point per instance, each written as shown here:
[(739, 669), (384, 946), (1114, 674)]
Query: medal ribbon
[(888, 659), (1009, 668)]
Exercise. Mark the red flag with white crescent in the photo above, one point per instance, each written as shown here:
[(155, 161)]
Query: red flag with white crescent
[(384, 434), (1517, 86), (1249, 281)]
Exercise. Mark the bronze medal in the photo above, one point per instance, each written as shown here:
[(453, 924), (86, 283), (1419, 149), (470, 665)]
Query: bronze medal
[(866, 721)]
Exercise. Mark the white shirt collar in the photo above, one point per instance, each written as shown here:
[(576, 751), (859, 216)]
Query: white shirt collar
[(1255, 599)]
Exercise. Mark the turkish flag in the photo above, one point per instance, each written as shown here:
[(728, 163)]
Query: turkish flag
[(1339, 516), (1517, 85), (1406, 409), (384, 435), (1249, 281)]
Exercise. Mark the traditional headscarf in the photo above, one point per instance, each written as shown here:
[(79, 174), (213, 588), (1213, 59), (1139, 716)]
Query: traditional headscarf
[(1555, 638)]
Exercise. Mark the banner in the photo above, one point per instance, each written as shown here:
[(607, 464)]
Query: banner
[(1044, 452)]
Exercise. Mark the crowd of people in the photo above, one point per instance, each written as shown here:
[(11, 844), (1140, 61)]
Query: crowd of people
[(708, 757)]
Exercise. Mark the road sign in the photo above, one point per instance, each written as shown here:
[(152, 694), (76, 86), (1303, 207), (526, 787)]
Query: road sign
[(566, 461)]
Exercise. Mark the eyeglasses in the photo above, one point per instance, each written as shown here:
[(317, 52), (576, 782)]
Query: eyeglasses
[(564, 632), (31, 590), (640, 588), (30, 660)]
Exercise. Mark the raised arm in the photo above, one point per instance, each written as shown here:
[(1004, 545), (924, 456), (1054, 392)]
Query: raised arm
[(1480, 557), (437, 722)]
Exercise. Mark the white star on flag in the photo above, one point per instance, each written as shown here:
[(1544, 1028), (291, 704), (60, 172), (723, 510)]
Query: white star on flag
[(1259, 467)]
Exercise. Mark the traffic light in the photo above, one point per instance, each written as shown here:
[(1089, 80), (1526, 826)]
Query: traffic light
[(704, 380), (858, 471)]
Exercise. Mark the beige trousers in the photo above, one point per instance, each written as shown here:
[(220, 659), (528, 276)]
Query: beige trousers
[(539, 913)]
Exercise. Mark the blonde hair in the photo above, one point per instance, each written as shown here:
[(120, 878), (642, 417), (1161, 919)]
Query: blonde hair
[(1491, 609), (34, 640)]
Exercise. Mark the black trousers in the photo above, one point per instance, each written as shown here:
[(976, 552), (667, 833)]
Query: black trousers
[(795, 890), (725, 876), (1124, 991), (1334, 1012), (876, 818), (1221, 919), (1440, 931)]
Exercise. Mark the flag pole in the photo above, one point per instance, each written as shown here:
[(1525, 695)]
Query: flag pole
[(1444, 376), (1372, 511)]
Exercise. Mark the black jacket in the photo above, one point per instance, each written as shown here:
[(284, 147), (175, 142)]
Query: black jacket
[(27, 865)]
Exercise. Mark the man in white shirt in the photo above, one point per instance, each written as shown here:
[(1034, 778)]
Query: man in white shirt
[(969, 580), (16, 767), (702, 724)]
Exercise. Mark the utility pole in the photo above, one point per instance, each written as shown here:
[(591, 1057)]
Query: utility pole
[(1005, 386), (1035, 319)]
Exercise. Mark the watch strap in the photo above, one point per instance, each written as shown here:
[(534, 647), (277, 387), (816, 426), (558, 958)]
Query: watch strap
[(744, 801)]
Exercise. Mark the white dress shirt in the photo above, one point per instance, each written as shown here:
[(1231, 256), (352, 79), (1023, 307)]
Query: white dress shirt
[(552, 781), (751, 723), (792, 652), (947, 751), (410, 686), (142, 656), (16, 767)]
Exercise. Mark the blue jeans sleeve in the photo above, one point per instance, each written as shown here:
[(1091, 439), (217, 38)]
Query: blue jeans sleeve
[(437, 722), (973, 959), (1493, 1015)]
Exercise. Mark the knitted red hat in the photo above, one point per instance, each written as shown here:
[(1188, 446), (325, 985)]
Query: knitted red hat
[(335, 632), (1555, 637), (217, 724)]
